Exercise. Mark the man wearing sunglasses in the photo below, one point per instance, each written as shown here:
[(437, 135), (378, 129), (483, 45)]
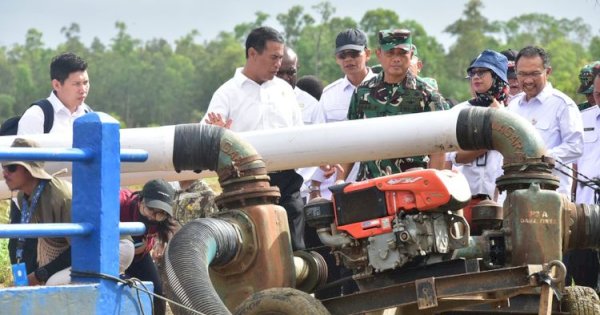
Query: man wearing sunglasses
[(395, 91), (351, 54), (41, 198), (311, 112)]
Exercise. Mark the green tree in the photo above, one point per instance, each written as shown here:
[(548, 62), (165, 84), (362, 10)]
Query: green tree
[(473, 34), (242, 30), (293, 22)]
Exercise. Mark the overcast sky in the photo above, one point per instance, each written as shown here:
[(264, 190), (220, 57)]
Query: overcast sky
[(172, 19)]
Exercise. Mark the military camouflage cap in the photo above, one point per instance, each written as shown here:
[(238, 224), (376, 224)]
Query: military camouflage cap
[(586, 77), (399, 38)]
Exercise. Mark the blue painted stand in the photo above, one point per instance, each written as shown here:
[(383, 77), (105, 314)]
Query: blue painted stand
[(95, 229)]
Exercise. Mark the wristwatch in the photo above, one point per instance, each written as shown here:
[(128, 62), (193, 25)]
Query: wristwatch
[(313, 188), (41, 274)]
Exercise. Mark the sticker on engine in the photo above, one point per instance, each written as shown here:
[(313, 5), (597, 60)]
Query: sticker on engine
[(405, 180), (426, 295)]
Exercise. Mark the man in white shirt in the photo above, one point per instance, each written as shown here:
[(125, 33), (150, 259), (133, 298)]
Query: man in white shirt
[(587, 165), (311, 111), (582, 264), (70, 87), (352, 55), (255, 99), (552, 113)]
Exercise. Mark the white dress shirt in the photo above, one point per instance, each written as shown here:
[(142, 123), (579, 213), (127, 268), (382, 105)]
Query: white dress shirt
[(482, 172), (336, 96), (32, 121), (311, 111), (558, 120), (253, 106), (588, 162), (335, 102)]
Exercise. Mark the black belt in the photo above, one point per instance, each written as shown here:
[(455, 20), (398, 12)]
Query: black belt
[(480, 197)]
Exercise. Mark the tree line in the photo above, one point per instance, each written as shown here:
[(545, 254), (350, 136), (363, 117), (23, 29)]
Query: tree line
[(154, 83)]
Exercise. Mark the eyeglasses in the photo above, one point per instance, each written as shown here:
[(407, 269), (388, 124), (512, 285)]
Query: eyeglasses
[(10, 168), (348, 53), (159, 214), (477, 73), (534, 74), (288, 72)]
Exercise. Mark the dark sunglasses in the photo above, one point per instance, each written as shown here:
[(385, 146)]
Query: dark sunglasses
[(10, 168), (477, 73), (348, 53), (288, 72)]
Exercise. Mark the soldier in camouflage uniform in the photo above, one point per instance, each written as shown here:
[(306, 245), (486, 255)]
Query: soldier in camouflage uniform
[(194, 200), (586, 87), (395, 91)]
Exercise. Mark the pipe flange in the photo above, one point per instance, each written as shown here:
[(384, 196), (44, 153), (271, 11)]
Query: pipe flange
[(317, 271), (247, 240), (248, 197)]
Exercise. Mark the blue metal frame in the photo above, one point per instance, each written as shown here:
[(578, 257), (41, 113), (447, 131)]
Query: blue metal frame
[(95, 230)]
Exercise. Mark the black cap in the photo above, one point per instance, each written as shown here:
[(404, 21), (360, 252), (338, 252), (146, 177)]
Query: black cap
[(351, 38), (511, 55), (158, 194)]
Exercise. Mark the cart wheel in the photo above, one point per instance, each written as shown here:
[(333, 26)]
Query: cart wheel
[(578, 300), (281, 301)]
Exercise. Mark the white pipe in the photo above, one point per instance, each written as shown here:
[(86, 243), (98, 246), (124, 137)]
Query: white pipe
[(287, 148)]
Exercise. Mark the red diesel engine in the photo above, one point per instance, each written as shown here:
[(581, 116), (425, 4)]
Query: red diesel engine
[(387, 222)]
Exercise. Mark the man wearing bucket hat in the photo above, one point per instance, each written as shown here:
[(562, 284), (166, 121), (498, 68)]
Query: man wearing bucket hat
[(489, 82), (395, 91), (41, 198), (586, 86), (152, 206)]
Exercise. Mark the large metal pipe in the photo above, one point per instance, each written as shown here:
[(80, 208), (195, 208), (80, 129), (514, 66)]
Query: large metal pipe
[(342, 142)]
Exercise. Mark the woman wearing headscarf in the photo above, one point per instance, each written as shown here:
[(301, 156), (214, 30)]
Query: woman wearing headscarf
[(489, 87)]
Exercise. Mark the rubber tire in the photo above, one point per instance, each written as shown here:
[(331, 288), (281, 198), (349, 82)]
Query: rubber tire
[(281, 301), (578, 300)]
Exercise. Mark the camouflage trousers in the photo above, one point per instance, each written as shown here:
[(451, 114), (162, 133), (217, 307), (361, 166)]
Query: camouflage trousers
[(196, 201)]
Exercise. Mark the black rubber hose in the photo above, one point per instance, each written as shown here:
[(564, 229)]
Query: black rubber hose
[(197, 245), (197, 147), (473, 129)]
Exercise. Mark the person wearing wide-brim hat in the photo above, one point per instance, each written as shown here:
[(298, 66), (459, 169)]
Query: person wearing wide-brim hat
[(487, 75), (41, 198), (488, 79), (153, 206)]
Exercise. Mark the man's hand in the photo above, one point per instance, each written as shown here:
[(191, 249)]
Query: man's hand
[(329, 170), (496, 104), (33, 280), (217, 120)]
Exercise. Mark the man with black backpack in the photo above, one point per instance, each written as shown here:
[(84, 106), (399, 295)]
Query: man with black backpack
[(56, 114)]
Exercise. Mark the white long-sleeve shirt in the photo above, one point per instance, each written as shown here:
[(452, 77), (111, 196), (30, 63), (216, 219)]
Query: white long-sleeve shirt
[(32, 121), (558, 120), (588, 162), (253, 106)]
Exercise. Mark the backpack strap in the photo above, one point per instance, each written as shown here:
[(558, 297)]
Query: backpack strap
[(48, 110)]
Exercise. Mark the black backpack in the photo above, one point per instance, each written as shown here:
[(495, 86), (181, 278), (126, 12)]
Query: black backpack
[(10, 126)]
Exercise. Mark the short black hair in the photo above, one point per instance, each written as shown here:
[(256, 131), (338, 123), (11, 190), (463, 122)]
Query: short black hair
[(65, 64), (311, 85), (534, 51), (259, 37)]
